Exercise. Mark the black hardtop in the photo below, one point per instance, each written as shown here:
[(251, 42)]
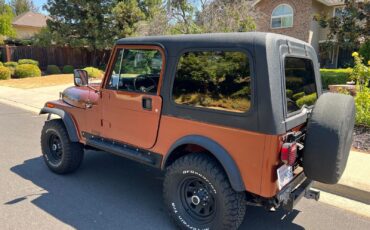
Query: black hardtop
[(184, 41), (266, 51)]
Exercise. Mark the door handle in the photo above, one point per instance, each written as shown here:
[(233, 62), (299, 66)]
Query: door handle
[(147, 103)]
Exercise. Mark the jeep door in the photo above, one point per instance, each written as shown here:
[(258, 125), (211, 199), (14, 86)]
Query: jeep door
[(131, 102)]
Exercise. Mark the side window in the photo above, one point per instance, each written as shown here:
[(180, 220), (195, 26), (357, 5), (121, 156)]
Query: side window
[(136, 70), (215, 80), (300, 83)]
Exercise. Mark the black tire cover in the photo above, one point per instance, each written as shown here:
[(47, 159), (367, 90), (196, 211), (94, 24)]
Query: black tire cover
[(329, 137)]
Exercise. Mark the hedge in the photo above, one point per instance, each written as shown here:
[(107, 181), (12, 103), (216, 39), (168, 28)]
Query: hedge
[(28, 61), (11, 64), (27, 70), (53, 69), (335, 77), (5, 73), (68, 69)]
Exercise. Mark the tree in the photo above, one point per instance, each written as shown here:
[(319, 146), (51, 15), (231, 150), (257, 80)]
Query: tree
[(93, 24), (6, 18), (349, 26), (199, 16), (183, 13), (22, 6), (156, 21), (226, 16), (126, 16), (81, 23)]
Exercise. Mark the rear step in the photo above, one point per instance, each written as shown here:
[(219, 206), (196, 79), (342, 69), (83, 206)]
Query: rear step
[(124, 150)]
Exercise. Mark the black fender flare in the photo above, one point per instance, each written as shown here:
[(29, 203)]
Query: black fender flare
[(218, 152), (67, 120)]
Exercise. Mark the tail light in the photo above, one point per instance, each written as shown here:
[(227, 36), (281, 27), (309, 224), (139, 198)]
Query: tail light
[(289, 153)]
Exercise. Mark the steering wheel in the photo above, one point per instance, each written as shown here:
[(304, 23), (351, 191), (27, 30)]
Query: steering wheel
[(143, 88)]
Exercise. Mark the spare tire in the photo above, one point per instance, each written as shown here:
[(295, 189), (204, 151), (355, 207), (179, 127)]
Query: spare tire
[(329, 137)]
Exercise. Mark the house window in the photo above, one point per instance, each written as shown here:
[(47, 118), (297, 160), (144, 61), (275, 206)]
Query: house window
[(282, 17)]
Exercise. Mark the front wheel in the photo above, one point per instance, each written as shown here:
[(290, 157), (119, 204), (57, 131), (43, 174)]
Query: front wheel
[(198, 195), (60, 154)]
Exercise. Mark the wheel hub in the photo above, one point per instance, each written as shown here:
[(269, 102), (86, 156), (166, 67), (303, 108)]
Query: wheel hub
[(195, 200), (55, 149)]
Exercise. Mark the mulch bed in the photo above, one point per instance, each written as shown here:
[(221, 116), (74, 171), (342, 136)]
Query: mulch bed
[(361, 139)]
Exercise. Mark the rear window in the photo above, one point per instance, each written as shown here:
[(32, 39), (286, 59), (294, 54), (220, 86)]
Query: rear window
[(300, 83), (218, 80)]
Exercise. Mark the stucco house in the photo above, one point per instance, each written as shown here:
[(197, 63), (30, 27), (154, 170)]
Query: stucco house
[(26, 25), (296, 18)]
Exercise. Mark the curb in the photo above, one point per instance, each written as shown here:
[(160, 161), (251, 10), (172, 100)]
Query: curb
[(345, 191), (20, 105)]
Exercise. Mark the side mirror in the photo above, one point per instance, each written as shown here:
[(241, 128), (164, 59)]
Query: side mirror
[(81, 77)]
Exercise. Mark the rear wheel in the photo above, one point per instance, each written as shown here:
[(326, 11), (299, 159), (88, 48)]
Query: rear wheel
[(60, 154), (198, 195)]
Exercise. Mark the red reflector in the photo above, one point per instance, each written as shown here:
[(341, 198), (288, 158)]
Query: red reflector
[(289, 153)]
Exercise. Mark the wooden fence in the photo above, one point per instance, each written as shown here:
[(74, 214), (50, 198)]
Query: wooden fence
[(55, 55)]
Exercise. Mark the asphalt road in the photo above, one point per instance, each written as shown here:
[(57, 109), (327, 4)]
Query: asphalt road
[(109, 192)]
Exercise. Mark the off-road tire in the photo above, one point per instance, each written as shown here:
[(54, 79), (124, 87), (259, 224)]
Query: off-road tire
[(329, 137), (70, 154), (229, 206)]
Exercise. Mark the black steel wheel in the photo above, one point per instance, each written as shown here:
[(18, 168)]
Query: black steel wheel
[(60, 154), (198, 194), (55, 149), (197, 199)]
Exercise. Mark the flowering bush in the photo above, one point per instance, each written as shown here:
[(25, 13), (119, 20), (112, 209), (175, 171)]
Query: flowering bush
[(361, 73)]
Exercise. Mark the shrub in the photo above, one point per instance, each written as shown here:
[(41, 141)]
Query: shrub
[(28, 61), (27, 70), (335, 76), (1, 64), (94, 72), (11, 64), (307, 100), (360, 73), (5, 73), (298, 95), (362, 101), (53, 69), (68, 69)]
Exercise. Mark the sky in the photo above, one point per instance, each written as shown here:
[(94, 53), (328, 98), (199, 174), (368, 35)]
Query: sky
[(39, 3)]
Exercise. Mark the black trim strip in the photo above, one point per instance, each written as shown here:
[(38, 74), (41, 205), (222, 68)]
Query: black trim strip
[(124, 150)]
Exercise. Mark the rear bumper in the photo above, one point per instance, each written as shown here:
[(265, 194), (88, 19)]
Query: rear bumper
[(293, 192)]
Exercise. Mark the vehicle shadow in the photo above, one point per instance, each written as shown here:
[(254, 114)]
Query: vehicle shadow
[(110, 192)]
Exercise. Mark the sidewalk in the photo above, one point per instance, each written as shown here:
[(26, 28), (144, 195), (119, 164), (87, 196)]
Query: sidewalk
[(354, 184), (30, 99)]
